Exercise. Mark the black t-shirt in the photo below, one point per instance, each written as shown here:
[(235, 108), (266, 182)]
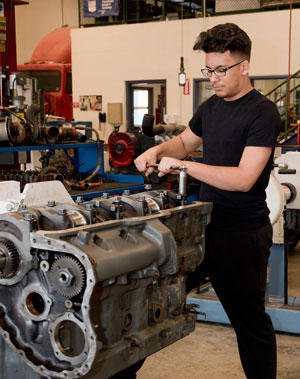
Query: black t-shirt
[(227, 127)]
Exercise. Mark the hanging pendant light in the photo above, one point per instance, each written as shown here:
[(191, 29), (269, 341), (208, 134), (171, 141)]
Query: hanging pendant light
[(181, 75)]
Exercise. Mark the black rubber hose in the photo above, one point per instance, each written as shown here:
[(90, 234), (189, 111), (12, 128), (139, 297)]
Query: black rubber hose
[(30, 114)]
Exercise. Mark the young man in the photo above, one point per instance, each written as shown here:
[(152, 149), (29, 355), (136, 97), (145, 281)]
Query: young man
[(238, 128)]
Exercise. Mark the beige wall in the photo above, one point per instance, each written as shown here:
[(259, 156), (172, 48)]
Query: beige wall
[(38, 18), (105, 57)]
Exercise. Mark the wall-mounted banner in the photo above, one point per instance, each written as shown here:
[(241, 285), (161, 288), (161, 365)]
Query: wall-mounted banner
[(100, 8)]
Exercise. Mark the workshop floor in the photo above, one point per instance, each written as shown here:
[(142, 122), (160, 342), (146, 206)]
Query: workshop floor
[(211, 351)]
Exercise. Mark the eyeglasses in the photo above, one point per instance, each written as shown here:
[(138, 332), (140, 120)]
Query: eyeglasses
[(218, 71)]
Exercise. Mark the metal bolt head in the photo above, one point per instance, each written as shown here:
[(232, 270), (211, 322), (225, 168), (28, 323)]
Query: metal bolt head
[(68, 304), (148, 187), (105, 195), (89, 206), (51, 203), (62, 211), (9, 207), (44, 266), (65, 277), (166, 333), (126, 193), (28, 217), (79, 199)]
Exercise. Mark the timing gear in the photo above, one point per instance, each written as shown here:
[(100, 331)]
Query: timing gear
[(9, 259), (67, 276)]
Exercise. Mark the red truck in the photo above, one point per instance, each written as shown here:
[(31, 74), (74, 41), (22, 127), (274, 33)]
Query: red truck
[(51, 65)]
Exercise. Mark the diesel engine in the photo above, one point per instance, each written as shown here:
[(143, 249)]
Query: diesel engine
[(90, 288)]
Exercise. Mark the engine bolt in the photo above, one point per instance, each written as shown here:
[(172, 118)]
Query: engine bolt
[(89, 207), (68, 304), (166, 333), (51, 203), (9, 207), (62, 211), (28, 217), (65, 277), (44, 265)]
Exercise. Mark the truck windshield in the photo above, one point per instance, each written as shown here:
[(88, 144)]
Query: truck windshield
[(48, 80)]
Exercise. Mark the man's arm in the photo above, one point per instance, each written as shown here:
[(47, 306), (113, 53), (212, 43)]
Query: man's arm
[(177, 147), (241, 178)]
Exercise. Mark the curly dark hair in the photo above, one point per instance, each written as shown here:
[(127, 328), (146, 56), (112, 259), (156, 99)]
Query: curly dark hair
[(224, 37)]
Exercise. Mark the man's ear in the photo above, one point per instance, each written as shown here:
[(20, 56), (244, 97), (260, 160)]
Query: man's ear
[(245, 67)]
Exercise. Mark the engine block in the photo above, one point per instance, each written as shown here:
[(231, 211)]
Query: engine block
[(90, 288)]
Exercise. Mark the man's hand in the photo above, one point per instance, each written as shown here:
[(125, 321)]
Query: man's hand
[(169, 166), (143, 161)]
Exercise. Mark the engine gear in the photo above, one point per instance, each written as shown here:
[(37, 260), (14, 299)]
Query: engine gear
[(67, 276), (9, 258)]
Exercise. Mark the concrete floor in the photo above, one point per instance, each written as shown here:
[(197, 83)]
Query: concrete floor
[(211, 351)]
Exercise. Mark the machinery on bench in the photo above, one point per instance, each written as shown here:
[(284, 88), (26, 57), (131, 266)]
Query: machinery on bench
[(124, 147), (23, 120), (24, 128), (89, 288)]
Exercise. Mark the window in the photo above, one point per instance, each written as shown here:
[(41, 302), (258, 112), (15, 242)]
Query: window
[(145, 97), (69, 83), (48, 80), (140, 105)]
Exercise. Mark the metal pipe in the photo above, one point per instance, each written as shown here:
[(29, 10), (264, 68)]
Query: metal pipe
[(98, 151), (182, 180)]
